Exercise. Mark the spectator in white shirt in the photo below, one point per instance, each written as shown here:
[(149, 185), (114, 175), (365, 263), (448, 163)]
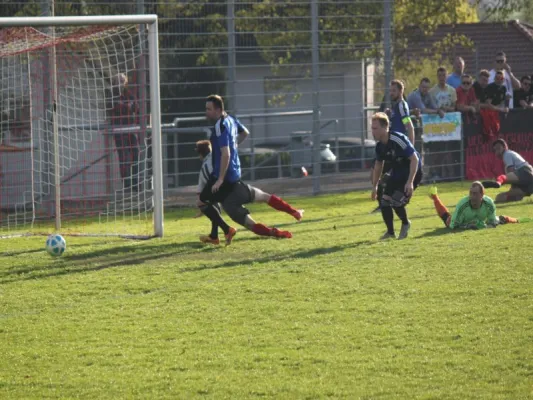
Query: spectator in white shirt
[(510, 82)]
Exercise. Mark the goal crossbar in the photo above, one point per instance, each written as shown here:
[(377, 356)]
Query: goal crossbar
[(79, 20)]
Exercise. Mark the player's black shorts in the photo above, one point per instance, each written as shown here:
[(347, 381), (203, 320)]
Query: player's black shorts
[(232, 196), (525, 177), (397, 184)]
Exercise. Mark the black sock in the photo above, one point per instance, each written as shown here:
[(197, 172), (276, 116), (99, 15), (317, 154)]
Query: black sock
[(445, 217), (214, 230), (401, 212), (386, 213), (214, 215), (214, 225)]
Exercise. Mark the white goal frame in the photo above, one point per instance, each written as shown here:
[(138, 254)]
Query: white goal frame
[(155, 116)]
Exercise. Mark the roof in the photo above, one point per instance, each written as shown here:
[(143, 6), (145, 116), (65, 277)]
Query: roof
[(515, 38)]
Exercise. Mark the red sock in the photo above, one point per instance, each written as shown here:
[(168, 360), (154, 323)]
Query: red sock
[(280, 205), (501, 179), (262, 230)]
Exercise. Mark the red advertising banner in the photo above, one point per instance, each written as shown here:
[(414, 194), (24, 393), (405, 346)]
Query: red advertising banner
[(516, 129)]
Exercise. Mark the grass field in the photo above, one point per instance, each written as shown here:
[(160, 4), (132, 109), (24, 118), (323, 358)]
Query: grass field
[(331, 313)]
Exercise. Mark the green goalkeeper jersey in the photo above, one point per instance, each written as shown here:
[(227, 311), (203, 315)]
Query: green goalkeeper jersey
[(465, 215)]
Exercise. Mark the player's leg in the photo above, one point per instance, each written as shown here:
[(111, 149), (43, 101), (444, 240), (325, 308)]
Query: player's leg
[(399, 203), (213, 212), (510, 178), (515, 194), (277, 203), (386, 208), (212, 238), (441, 209), (233, 205)]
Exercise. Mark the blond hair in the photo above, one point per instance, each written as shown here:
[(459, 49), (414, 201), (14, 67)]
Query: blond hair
[(382, 118)]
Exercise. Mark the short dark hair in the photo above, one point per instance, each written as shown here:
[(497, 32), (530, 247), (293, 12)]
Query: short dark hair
[(398, 83), (484, 73), (501, 54), (500, 141), (441, 69), (466, 76), (216, 100), (425, 80), (203, 147), (522, 79)]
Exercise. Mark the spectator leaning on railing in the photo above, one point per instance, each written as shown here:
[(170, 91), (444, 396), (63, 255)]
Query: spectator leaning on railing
[(523, 98), (480, 87), (467, 101), (444, 95), (421, 102), (509, 81)]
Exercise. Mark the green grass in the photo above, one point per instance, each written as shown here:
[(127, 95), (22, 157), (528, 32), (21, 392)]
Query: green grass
[(330, 313)]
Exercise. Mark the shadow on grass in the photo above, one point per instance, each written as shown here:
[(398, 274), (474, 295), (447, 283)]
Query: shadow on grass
[(99, 260), (437, 232), (281, 257)]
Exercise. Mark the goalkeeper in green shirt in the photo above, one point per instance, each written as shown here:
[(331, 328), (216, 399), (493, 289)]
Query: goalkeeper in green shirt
[(475, 211)]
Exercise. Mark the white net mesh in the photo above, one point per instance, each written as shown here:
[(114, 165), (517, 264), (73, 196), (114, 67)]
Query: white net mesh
[(104, 146)]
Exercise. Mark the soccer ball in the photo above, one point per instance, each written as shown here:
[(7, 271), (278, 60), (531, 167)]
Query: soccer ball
[(55, 245)]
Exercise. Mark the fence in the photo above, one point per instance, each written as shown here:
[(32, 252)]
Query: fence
[(298, 74), (302, 75)]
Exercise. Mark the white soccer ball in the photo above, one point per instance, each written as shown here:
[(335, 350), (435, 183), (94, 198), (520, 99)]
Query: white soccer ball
[(55, 245)]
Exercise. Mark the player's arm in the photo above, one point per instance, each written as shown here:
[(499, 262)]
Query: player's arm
[(224, 162), (406, 120), (242, 132), (378, 169), (413, 168), (242, 135), (492, 219), (223, 142)]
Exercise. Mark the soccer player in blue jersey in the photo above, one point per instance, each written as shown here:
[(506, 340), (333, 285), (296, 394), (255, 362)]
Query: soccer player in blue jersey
[(225, 185), (405, 174), (400, 120)]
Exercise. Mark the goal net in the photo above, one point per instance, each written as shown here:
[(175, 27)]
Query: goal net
[(78, 153)]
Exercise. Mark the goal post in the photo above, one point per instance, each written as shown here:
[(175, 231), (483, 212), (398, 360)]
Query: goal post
[(77, 152)]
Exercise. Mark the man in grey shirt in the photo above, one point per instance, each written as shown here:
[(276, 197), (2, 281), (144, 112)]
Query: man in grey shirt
[(518, 172), (421, 102)]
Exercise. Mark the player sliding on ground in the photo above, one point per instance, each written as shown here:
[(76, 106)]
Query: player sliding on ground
[(518, 173), (223, 185), (475, 211)]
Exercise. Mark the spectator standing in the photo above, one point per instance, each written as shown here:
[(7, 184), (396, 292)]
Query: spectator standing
[(509, 80), (124, 120), (523, 98), (454, 79)]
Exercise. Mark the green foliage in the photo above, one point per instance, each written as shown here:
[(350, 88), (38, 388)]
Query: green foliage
[(331, 313)]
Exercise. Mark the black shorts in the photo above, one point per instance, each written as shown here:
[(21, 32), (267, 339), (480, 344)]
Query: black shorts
[(395, 184), (232, 196), (525, 179)]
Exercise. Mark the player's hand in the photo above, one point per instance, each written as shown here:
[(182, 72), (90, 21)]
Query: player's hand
[(199, 203), (374, 194), (408, 189), (216, 186), (441, 113), (507, 67)]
